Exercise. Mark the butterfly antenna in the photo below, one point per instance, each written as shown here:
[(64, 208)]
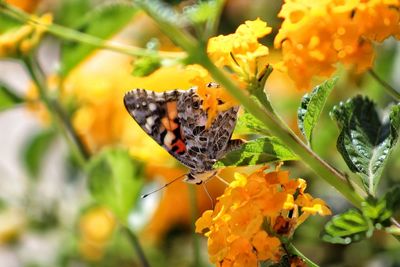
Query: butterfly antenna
[(162, 187), (208, 194), (221, 179)]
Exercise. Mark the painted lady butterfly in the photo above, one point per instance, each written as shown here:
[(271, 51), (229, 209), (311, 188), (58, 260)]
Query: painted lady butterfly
[(176, 121)]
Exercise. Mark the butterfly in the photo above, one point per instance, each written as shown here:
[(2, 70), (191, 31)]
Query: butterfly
[(177, 121)]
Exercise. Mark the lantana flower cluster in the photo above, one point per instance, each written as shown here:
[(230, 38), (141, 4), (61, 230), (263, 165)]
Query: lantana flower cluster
[(252, 215), (315, 35), (241, 53)]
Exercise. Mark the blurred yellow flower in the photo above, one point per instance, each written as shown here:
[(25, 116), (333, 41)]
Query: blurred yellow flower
[(20, 41), (245, 226), (314, 36), (96, 228), (12, 224)]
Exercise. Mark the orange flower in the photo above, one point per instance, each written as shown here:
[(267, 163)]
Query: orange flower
[(251, 215), (316, 35), (27, 5)]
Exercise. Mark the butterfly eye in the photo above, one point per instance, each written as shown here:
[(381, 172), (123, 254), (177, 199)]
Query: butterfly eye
[(196, 105)]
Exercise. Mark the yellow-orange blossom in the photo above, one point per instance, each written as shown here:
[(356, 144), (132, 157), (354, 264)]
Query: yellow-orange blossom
[(254, 211), (315, 35)]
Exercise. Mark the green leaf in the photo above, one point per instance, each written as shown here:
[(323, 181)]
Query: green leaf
[(347, 227), (103, 22), (377, 212), (35, 151), (248, 124), (259, 151), (364, 141), (311, 107), (392, 198), (115, 180), (8, 98)]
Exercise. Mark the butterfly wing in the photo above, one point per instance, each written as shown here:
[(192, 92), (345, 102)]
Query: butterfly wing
[(204, 145), (177, 121), (157, 114)]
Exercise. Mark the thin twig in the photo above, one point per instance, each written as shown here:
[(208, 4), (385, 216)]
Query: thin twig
[(297, 252), (55, 111), (388, 88), (395, 222), (136, 245)]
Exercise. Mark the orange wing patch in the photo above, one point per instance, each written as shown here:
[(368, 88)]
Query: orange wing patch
[(169, 122), (173, 139)]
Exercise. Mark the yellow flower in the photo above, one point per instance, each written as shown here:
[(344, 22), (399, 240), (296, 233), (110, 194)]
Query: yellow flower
[(21, 40), (96, 227), (240, 52), (316, 35), (251, 215)]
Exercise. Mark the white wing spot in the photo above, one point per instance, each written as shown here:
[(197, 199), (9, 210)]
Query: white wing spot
[(149, 123), (169, 137), (152, 107)]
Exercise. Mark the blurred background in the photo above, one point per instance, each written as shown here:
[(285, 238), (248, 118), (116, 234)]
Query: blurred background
[(47, 216)]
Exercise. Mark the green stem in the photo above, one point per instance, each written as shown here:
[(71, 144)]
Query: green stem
[(297, 252), (285, 134), (136, 245), (195, 214), (61, 120), (73, 35), (388, 88)]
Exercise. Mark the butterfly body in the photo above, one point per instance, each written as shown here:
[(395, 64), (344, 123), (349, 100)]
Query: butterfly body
[(176, 120)]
